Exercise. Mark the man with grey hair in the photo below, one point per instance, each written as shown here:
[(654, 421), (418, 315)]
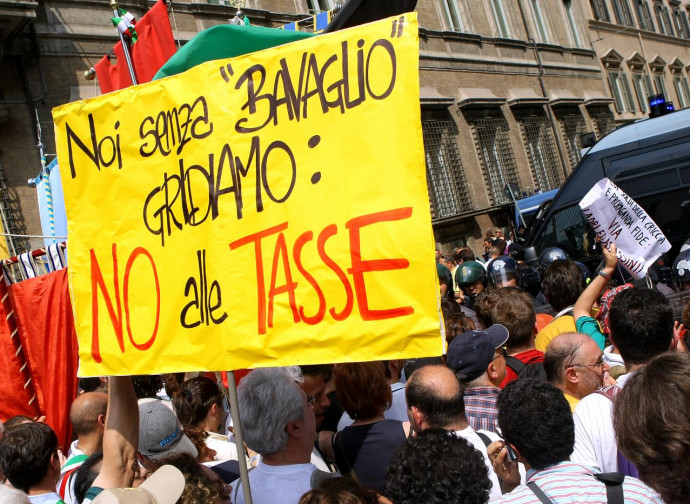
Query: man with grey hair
[(9, 495), (278, 423), (574, 363)]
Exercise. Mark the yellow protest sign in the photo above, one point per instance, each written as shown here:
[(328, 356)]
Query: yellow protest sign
[(265, 210)]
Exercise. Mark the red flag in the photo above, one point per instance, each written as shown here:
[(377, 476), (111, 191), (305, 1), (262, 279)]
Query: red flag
[(155, 44), (16, 398), (43, 309), (113, 77)]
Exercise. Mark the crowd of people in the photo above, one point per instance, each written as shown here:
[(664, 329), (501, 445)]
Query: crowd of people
[(558, 385)]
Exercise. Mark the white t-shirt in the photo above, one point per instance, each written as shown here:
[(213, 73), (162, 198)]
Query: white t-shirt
[(595, 439), (46, 498), (224, 448), (471, 436), (277, 484)]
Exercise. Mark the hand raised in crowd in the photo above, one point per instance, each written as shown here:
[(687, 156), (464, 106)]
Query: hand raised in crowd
[(608, 380), (61, 457), (610, 257), (679, 332)]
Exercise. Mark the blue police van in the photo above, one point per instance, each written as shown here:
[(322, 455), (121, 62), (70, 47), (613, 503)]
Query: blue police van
[(649, 160)]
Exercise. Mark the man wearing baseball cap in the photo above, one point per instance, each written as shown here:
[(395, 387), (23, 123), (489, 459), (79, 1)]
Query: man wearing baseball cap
[(160, 434), (478, 360)]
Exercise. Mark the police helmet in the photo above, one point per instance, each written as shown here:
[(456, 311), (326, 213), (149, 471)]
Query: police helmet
[(548, 256), (470, 272), (586, 275), (681, 268), (685, 246), (503, 269)]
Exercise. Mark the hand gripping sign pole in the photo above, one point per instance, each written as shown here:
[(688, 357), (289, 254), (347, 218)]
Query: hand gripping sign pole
[(115, 5), (237, 423)]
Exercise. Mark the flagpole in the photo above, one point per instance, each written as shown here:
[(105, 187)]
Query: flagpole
[(115, 5), (237, 428)]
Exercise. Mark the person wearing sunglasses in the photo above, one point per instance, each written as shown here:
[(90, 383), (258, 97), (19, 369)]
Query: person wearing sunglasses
[(575, 364)]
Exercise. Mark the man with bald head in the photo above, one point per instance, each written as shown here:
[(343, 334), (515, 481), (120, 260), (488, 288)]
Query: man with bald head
[(574, 364), (434, 400), (87, 415)]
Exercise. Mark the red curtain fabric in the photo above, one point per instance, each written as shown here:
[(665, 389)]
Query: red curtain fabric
[(154, 46), (15, 398), (43, 310)]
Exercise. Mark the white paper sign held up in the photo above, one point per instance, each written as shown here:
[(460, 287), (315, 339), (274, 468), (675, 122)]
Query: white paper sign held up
[(615, 217)]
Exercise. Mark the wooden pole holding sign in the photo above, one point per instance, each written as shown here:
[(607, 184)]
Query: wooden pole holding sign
[(237, 425)]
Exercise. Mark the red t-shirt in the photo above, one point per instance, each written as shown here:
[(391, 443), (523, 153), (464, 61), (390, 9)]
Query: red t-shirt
[(528, 356)]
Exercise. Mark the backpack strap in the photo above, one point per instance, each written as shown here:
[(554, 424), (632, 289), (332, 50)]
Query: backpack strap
[(539, 493), (515, 364), (485, 439), (613, 482), (614, 486)]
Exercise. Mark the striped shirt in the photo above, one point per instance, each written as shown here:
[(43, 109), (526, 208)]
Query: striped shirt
[(480, 407), (569, 482)]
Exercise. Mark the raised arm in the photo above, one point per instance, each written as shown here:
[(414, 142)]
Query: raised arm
[(584, 303), (583, 306), (121, 436)]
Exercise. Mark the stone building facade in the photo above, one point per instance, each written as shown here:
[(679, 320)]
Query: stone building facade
[(507, 87)]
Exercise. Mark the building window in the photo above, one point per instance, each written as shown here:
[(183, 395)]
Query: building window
[(601, 13), (621, 9), (572, 24), (453, 15), (663, 19), (500, 18), (682, 90), (644, 15), (620, 90), (680, 19), (603, 121), (541, 152), (319, 5), (659, 84), (572, 127), (496, 156), (540, 22), (643, 89), (448, 192)]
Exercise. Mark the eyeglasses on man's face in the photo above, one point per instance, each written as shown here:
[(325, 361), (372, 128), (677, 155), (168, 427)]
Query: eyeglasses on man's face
[(503, 353)]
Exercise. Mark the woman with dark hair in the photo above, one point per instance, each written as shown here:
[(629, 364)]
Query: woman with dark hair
[(199, 407), (201, 483), (363, 449), (652, 426), (340, 491)]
